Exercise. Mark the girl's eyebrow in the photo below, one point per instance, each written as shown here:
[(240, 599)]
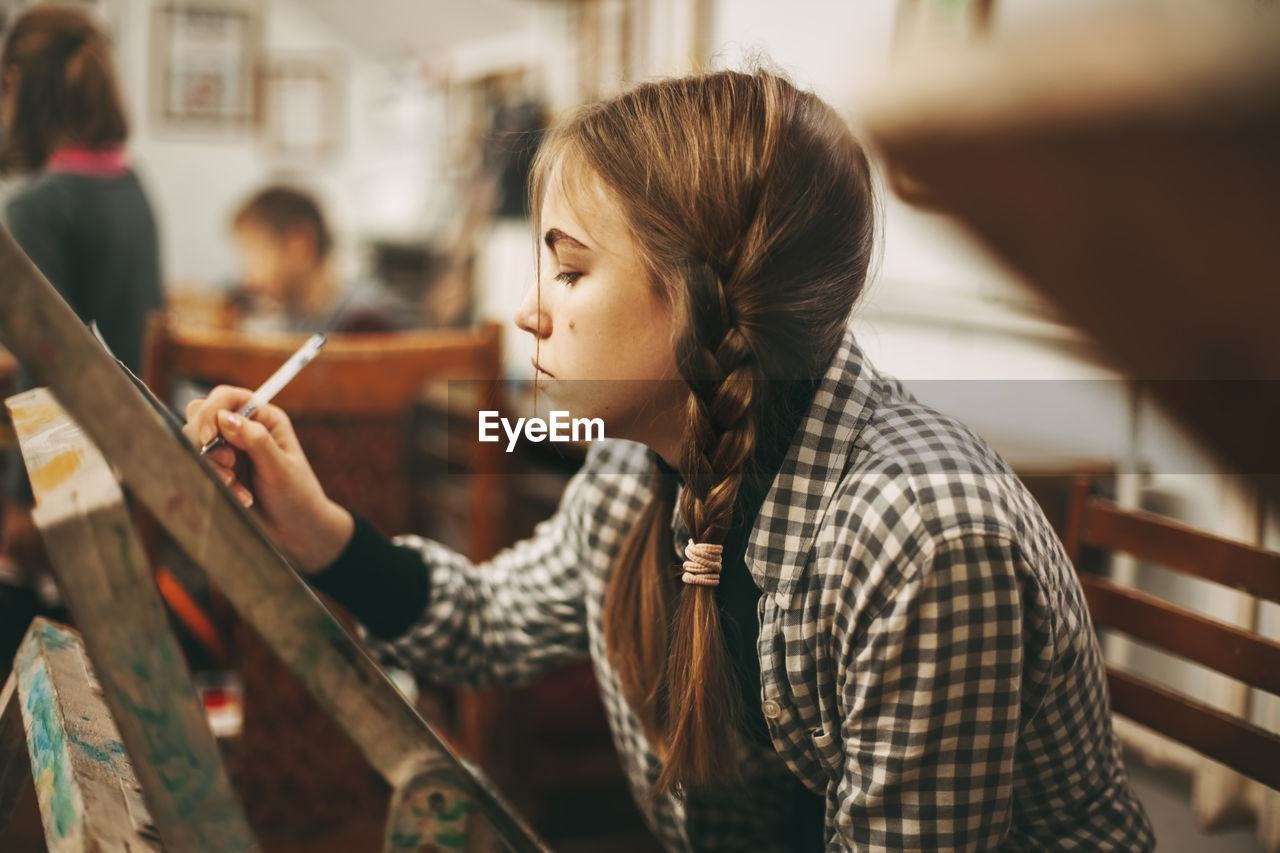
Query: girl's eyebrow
[(555, 235)]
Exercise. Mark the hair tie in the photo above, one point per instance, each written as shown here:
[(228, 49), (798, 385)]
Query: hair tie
[(702, 563)]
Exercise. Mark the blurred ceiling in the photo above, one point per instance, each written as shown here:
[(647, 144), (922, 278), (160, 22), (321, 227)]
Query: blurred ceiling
[(390, 28)]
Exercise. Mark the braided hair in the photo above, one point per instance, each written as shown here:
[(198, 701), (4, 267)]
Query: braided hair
[(752, 207)]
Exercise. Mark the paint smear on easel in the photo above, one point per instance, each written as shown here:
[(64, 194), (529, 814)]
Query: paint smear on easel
[(50, 762), (31, 418), (55, 472)]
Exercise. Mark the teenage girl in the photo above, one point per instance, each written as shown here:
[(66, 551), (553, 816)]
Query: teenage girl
[(821, 613)]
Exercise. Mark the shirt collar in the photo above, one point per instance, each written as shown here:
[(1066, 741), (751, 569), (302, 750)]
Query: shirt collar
[(98, 163), (811, 471)]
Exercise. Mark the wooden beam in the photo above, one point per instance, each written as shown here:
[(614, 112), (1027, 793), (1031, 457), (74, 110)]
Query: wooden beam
[(107, 585), (1180, 548), (164, 473), (1237, 743), (84, 781), (1236, 653)]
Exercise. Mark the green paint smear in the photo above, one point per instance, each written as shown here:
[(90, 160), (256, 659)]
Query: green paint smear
[(410, 842), (446, 777), (329, 627), (102, 754), (48, 746), (460, 809), (456, 840), (56, 638), (169, 752), (126, 555)]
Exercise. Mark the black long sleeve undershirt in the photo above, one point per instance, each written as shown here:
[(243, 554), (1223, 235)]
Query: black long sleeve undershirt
[(384, 585)]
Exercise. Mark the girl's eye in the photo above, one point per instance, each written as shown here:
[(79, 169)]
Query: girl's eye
[(569, 278)]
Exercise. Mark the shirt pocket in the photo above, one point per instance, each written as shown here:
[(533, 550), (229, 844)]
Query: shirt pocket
[(828, 747)]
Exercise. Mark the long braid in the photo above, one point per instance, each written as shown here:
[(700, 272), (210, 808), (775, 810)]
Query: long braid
[(704, 705)]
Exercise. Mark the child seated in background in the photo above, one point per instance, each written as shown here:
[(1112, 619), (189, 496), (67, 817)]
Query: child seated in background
[(288, 279)]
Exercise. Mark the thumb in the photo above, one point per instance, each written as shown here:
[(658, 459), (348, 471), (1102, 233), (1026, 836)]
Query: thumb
[(251, 437)]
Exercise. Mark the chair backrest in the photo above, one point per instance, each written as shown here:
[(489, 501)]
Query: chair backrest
[(1239, 654), (351, 406)]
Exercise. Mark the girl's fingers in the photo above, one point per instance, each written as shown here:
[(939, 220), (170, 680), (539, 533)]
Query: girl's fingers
[(228, 397), (223, 456), (228, 477), (202, 414), (277, 423), (243, 495), (269, 458)]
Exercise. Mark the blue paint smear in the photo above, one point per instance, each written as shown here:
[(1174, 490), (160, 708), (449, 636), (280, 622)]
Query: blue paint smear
[(48, 748), (102, 754), (55, 637)]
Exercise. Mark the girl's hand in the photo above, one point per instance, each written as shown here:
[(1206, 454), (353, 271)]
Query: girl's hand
[(279, 486)]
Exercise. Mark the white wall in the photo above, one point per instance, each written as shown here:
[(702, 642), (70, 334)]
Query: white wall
[(196, 179)]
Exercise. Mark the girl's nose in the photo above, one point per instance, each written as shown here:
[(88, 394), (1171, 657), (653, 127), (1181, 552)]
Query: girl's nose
[(531, 317)]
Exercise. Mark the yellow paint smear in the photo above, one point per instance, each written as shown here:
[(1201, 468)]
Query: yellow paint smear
[(55, 472), (30, 419)]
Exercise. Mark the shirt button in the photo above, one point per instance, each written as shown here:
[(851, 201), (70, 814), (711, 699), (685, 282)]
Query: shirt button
[(771, 709)]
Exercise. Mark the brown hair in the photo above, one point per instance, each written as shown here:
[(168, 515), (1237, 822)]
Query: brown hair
[(283, 210), (66, 87), (752, 206)]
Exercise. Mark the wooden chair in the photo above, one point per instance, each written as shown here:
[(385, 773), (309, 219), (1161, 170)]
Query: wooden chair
[(1239, 654), (352, 409)]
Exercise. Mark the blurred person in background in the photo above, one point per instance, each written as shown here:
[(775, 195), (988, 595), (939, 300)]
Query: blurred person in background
[(83, 218), (287, 278)]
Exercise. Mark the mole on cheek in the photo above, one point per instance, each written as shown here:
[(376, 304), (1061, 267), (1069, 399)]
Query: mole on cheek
[(570, 324)]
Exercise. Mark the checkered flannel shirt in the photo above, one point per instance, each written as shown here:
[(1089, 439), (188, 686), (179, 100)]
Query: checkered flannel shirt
[(926, 658)]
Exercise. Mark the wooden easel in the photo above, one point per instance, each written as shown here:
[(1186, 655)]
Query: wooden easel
[(55, 728), (95, 415)]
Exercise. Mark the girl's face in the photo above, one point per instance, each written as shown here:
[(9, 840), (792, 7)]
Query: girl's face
[(604, 334)]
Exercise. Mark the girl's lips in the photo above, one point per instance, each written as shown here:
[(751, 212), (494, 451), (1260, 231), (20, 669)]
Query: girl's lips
[(541, 374)]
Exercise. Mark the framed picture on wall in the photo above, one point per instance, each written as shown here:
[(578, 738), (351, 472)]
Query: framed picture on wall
[(302, 106), (204, 59)]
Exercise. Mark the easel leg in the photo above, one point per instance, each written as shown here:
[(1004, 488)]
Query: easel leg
[(111, 593)]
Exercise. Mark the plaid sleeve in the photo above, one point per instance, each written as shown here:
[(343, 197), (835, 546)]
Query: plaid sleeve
[(506, 620), (931, 691), (523, 612)]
